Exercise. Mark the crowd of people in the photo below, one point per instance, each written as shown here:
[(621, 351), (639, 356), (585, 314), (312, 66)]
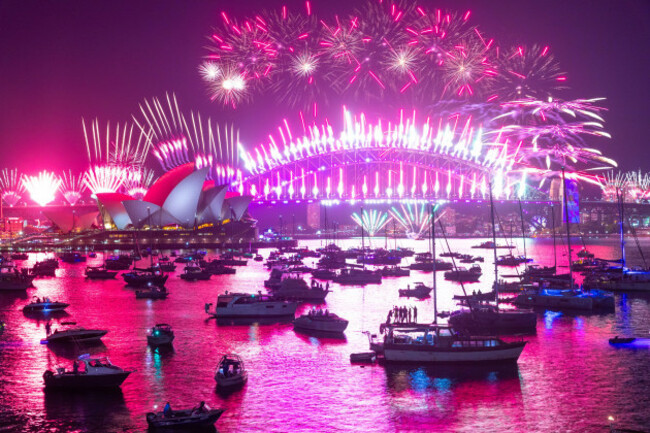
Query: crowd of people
[(402, 315)]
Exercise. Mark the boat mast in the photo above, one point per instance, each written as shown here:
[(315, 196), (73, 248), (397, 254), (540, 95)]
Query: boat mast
[(620, 200), (523, 232), (433, 258), (568, 227), (494, 240), (554, 247), (363, 245)]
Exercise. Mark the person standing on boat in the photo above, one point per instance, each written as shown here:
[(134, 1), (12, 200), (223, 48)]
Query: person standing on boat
[(48, 328), (415, 314), (408, 314), (167, 411)]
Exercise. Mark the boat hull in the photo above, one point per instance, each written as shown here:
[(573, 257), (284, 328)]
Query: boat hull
[(488, 323), (566, 302), (85, 381), (44, 308), (306, 324), (180, 422), (431, 355), (65, 338), (261, 310)]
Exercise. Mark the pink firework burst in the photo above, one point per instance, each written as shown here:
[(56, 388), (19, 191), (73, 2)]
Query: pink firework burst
[(43, 187)]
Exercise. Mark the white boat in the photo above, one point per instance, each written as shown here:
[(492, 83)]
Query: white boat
[(44, 305), (247, 305), (230, 372), (160, 335), (432, 344), (322, 321), (75, 335), (96, 373)]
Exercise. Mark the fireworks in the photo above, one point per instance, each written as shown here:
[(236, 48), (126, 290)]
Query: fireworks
[(633, 186), (11, 187), (176, 139), (72, 186), (414, 219), (104, 178), (116, 146), (137, 183), (42, 188), (371, 221)]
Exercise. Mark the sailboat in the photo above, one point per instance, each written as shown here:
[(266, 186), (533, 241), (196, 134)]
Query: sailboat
[(488, 318), (434, 344), (563, 298), (623, 279)]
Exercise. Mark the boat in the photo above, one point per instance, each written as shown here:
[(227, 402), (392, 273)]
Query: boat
[(363, 357), (585, 254), (488, 245), (427, 265), (195, 273), (230, 372), (247, 305), (571, 299), (15, 279), (44, 305), (96, 373), (258, 258), (357, 276), (477, 296), (166, 266), (510, 260), (74, 335), (395, 271), (320, 321), (152, 292), (19, 256), (627, 280), (99, 273), (484, 319), (433, 344), (141, 278), (463, 274), (72, 257), (160, 335), (185, 420), (323, 274), (119, 263), (46, 268), (621, 340), (419, 291), (219, 269), (295, 287)]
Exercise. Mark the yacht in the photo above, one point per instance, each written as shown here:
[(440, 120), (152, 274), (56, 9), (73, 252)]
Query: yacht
[(230, 372), (358, 276), (323, 274), (45, 268), (320, 321), (419, 291), (463, 274), (427, 265), (72, 257), (14, 279), (141, 278), (44, 305), (564, 298), (95, 373), (487, 318), (195, 273), (510, 260), (99, 273), (19, 256), (490, 245), (75, 335), (427, 344), (160, 335), (395, 271), (628, 280), (294, 287), (247, 305)]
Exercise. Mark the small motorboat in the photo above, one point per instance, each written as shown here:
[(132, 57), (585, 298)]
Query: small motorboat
[(152, 292), (160, 335), (74, 335), (142, 278), (96, 373), (621, 340), (321, 321), (363, 357), (195, 273), (184, 419), (230, 372), (92, 255), (44, 305), (99, 273), (323, 274), (259, 258), (72, 257), (19, 256), (419, 291)]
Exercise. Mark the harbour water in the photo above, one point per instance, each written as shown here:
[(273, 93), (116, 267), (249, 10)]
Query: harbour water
[(568, 379)]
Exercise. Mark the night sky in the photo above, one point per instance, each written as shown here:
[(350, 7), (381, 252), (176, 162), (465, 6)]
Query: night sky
[(62, 60)]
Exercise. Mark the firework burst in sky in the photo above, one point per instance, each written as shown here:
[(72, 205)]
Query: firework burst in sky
[(11, 186), (43, 187), (72, 186)]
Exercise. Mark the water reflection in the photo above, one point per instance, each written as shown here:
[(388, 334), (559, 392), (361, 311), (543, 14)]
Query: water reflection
[(86, 410)]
